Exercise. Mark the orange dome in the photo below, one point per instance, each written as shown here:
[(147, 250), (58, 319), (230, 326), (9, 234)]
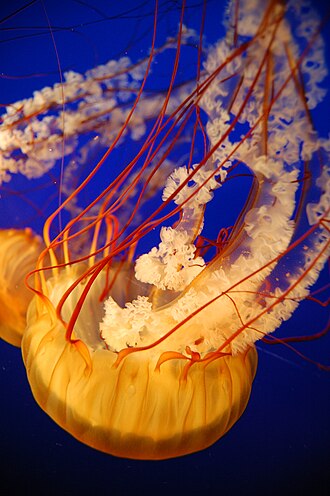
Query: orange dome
[(19, 250), (131, 407)]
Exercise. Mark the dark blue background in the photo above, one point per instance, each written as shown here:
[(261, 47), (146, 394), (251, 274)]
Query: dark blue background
[(281, 444)]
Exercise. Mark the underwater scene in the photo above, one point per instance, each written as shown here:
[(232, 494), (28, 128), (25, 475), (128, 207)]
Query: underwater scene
[(164, 247)]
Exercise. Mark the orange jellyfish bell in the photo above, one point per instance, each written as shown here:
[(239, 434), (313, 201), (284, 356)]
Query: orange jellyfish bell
[(19, 251), (132, 407), (145, 348)]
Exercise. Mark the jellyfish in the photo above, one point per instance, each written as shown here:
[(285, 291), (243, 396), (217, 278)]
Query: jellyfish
[(19, 253), (140, 339)]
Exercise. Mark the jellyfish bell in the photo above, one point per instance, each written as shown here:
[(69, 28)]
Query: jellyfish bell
[(151, 353), (135, 407), (19, 251)]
